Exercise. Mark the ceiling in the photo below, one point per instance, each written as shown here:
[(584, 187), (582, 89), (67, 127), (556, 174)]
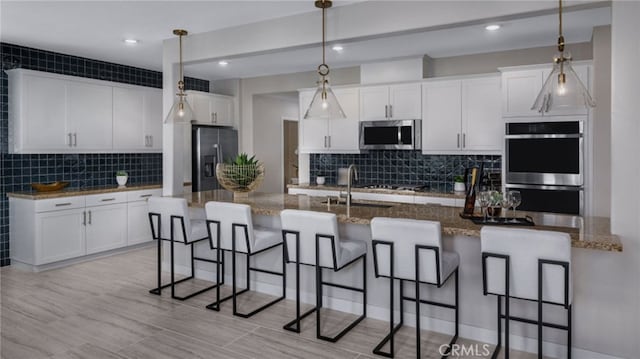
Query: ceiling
[(96, 29)]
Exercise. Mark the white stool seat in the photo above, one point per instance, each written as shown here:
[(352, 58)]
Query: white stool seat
[(350, 250), (265, 238)]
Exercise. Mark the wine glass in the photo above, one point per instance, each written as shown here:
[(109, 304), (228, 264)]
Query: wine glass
[(484, 198), (494, 203), (516, 200), (506, 202)]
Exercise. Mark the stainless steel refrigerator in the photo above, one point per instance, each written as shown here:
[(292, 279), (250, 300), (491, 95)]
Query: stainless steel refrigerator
[(210, 146)]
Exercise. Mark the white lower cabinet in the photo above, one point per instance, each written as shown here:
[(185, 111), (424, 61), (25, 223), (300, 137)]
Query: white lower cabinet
[(46, 231), (106, 227), (60, 235)]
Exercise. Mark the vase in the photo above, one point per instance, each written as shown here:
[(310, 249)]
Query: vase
[(122, 180), (459, 187)]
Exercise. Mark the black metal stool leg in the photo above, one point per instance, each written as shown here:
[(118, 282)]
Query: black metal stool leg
[(158, 290)]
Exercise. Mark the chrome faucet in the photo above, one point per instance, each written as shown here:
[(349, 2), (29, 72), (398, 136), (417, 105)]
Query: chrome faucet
[(352, 173)]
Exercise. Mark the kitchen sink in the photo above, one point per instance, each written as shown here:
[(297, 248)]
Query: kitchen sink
[(360, 204)]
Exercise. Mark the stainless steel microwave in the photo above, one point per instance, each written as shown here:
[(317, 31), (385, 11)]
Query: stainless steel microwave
[(390, 135)]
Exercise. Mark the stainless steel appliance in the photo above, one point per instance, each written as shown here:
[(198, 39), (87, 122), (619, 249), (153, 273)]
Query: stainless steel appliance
[(391, 135), (545, 162), (210, 146)]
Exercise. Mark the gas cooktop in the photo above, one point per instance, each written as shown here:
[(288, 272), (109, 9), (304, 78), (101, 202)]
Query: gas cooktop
[(397, 187)]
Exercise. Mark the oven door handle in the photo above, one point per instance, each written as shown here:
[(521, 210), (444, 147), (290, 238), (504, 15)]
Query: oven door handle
[(545, 187), (543, 136)]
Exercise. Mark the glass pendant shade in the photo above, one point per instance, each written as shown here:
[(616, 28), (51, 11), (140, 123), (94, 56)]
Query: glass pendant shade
[(181, 111), (562, 90), (324, 104)]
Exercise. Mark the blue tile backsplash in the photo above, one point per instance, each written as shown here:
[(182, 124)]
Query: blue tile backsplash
[(401, 167), (81, 170)]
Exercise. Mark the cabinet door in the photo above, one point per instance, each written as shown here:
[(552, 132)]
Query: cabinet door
[(482, 123), (313, 133), (373, 103), (153, 118), (519, 91), (344, 134), (128, 119), (405, 101), (583, 73), (138, 227), (106, 227), (60, 235), (43, 119), (222, 108), (201, 106), (441, 116), (89, 115)]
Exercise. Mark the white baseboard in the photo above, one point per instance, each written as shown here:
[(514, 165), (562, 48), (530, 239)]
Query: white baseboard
[(517, 342)]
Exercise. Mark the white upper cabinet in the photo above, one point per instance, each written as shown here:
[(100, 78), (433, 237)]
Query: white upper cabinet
[(211, 108), (51, 113), (89, 116), (137, 119), (520, 87), (393, 102), (462, 116), (40, 105), (334, 135)]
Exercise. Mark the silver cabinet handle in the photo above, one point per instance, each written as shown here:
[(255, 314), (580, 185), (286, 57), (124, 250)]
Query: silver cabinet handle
[(150, 141), (464, 140), (84, 218), (107, 199), (390, 111), (146, 141), (70, 140), (75, 139), (458, 141), (386, 111), (216, 117), (63, 204), (89, 217), (213, 117), (325, 141), (145, 195)]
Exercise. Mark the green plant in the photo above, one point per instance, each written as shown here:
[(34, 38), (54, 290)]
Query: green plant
[(122, 173), (243, 170), (458, 179)]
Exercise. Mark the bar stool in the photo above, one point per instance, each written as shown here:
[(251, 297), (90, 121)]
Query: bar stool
[(312, 239), (230, 228), (411, 251), (164, 213), (531, 265)]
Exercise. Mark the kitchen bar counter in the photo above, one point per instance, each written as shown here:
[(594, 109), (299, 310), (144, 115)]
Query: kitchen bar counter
[(589, 232), (80, 191), (378, 190)]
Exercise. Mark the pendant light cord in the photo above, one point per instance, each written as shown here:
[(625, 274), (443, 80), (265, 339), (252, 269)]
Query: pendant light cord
[(560, 36), (323, 36), (181, 80)]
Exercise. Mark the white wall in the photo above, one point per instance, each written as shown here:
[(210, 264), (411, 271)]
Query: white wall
[(268, 112), (621, 293)]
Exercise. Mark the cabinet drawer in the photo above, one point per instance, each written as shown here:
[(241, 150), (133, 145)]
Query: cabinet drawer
[(106, 198), (142, 195), (57, 204)]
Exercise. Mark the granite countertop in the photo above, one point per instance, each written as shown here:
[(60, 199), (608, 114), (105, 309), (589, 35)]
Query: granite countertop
[(80, 191), (378, 190), (585, 232)]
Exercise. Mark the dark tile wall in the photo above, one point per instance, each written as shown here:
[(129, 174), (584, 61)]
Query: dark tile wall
[(401, 167), (81, 170)]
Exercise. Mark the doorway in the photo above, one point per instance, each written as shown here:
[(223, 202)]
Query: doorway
[(290, 151)]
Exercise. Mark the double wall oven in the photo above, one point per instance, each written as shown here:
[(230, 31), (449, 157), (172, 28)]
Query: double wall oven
[(545, 162)]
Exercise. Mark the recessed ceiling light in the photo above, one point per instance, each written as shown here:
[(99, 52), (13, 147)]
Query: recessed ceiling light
[(131, 41), (493, 27), (337, 48), (223, 63)]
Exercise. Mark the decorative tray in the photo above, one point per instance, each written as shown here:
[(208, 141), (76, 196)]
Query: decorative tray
[(500, 221), (49, 187)]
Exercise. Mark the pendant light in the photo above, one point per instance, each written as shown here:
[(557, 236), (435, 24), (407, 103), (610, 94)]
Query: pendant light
[(324, 104), (180, 112), (563, 88)]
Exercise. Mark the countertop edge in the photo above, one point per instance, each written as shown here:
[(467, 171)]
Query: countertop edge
[(376, 190), (79, 192)]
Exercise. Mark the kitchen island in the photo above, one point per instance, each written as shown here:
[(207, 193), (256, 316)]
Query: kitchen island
[(591, 239)]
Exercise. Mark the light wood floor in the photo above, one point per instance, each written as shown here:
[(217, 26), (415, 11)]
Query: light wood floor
[(102, 309)]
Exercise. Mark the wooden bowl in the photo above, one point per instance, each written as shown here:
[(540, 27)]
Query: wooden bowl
[(49, 187)]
